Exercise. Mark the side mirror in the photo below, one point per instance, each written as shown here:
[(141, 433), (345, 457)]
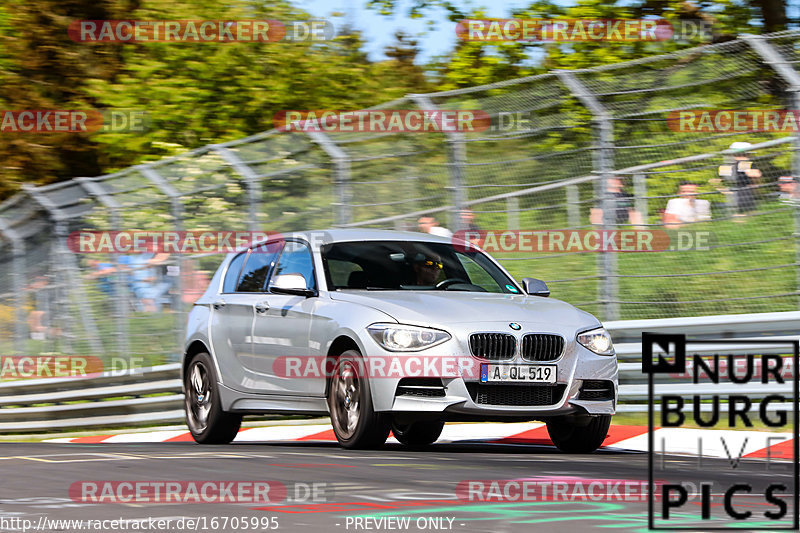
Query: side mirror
[(290, 284), (535, 287)]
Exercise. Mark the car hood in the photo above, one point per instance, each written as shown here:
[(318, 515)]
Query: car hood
[(453, 307)]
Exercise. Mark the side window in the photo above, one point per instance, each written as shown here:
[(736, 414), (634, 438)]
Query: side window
[(255, 272), (232, 275), (296, 259), (477, 275)]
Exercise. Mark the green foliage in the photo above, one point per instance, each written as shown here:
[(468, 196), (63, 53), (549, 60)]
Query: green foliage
[(194, 93), (476, 63)]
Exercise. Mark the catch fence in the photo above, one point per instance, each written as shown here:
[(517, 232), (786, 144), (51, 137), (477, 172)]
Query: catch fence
[(557, 144)]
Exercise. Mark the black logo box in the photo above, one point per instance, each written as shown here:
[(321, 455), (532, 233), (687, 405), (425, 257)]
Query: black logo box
[(678, 365)]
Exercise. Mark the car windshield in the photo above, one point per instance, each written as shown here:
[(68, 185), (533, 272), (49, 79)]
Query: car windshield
[(409, 265)]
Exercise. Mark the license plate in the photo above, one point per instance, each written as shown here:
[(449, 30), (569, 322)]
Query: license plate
[(519, 373)]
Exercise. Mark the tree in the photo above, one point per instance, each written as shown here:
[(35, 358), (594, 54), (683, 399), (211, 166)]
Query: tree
[(401, 71), (194, 93), (488, 61), (41, 68)]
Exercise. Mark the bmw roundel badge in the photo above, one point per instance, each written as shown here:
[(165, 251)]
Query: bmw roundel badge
[(515, 326)]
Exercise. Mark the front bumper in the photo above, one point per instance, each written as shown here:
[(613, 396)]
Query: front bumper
[(574, 367), (458, 401)]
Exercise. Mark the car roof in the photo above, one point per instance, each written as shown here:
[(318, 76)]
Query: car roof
[(333, 235)]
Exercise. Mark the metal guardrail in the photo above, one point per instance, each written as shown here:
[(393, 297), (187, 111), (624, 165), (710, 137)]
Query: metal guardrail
[(145, 396), (783, 326), (152, 396)]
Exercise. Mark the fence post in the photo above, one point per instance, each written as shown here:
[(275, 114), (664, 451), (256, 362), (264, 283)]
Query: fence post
[(250, 178), (573, 206), (341, 178), (177, 216), (512, 212), (457, 160), (640, 194), (58, 263), (18, 266), (62, 303), (120, 290), (784, 68), (603, 165)]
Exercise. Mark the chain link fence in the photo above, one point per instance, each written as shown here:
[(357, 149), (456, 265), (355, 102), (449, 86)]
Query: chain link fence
[(562, 151)]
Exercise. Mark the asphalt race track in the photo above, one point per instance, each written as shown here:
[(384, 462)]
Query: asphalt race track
[(361, 487)]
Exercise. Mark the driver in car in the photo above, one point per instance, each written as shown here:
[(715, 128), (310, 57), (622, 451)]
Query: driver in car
[(427, 269)]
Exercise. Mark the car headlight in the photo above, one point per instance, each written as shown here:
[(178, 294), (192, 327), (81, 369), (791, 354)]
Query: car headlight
[(597, 340), (401, 338)]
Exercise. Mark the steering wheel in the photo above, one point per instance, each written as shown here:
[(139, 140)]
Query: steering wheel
[(449, 281)]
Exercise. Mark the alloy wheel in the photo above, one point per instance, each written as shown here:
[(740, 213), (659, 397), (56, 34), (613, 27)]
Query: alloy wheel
[(347, 404), (199, 395)]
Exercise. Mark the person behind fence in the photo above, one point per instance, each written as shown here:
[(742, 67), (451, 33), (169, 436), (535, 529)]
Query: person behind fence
[(428, 224), (621, 202), (194, 282), (101, 271), (789, 192), (686, 207), (146, 282), (38, 320), (468, 221), (741, 178)]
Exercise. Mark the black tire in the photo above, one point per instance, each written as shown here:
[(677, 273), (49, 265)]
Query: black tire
[(418, 434), (355, 422), (207, 422), (578, 433)]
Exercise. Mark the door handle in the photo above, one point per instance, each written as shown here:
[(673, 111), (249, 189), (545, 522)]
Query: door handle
[(219, 304), (261, 307)]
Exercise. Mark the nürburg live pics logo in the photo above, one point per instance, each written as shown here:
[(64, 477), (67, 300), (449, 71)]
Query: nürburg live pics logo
[(723, 440)]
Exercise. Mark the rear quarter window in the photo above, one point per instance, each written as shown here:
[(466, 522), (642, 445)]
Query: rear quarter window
[(232, 275)]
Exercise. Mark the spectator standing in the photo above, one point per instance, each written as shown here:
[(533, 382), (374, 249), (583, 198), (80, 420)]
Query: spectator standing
[(145, 280), (621, 206), (101, 271), (468, 221), (741, 176), (687, 207), (789, 191), (38, 320), (194, 283), (428, 224)]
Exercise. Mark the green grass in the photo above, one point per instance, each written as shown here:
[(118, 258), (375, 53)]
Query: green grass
[(683, 283)]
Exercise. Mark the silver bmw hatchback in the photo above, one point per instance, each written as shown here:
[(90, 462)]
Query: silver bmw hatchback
[(391, 331)]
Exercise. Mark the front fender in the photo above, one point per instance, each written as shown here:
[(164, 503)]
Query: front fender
[(337, 319)]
